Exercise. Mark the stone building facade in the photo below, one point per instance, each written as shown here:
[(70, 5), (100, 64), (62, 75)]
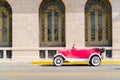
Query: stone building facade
[(32, 30)]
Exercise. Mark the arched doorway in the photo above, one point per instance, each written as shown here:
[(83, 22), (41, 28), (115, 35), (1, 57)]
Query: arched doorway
[(52, 23), (98, 23)]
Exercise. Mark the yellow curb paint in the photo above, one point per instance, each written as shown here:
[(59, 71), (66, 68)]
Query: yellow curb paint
[(70, 63), (66, 63), (111, 62)]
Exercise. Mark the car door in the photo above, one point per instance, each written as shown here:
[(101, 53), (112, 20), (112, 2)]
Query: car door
[(73, 53), (80, 54)]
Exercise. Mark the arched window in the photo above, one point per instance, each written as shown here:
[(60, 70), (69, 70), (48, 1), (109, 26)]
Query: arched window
[(98, 23), (52, 23), (5, 24)]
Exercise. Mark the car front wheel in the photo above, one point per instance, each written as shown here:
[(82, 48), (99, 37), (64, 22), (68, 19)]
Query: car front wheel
[(58, 61), (95, 61)]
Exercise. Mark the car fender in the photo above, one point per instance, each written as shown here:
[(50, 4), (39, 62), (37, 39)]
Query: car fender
[(94, 54), (60, 55)]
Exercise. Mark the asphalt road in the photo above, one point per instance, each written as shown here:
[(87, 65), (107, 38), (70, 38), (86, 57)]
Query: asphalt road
[(79, 72)]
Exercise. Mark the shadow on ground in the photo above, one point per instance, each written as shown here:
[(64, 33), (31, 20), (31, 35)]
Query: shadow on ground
[(67, 65)]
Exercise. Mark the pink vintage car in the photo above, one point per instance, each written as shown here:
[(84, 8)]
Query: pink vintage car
[(93, 56)]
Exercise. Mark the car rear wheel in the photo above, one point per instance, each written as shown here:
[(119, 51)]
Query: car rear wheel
[(58, 61), (95, 61)]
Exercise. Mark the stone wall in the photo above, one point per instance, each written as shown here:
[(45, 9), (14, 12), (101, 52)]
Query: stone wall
[(25, 24)]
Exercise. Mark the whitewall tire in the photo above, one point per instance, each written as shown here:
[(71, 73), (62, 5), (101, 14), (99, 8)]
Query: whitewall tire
[(95, 61), (58, 61)]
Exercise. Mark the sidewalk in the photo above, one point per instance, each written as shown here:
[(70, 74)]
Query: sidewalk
[(104, 62)]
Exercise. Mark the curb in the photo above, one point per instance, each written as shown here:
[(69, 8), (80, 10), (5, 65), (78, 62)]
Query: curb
[(111, 62), (74, 63)]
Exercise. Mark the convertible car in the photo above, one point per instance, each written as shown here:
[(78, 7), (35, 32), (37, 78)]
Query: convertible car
[(93, 56)]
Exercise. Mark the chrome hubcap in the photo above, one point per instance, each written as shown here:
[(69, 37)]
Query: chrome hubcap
[(58, 61)]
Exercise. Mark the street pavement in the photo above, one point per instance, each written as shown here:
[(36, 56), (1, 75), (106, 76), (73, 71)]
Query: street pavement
[(18, 71)]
